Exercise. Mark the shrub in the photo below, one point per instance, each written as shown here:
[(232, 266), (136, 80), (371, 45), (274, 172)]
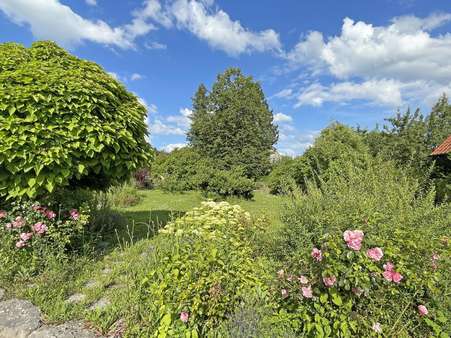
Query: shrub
[(281, 179), (30, 233), (224, 183), (394, 215), (64, 122), (203, 267), (142, 178), (124, 196)]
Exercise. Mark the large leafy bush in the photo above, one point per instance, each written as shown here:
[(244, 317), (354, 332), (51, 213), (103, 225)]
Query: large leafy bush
[(64, 121), (203, 267), (358, 298)]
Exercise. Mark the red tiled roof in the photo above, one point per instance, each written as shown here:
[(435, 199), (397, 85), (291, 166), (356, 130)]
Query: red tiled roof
[(443, 148)]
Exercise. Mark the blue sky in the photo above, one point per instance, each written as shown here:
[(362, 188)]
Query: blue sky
[(354, 61)]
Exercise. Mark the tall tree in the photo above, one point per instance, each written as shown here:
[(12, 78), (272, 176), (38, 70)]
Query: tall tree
[(233, 124)]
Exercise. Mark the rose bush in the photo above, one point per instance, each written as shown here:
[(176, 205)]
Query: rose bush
[(30, 232)]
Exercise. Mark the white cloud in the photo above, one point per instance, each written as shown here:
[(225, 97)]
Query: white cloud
[(382, 92), (49, 19), (91, 2), (182, 120), (170, 147), (155, 45), (295, 143), (284, 93), (114, 75), (280, 117), (398, 57), (219, 30), (136, 76), (159, 127)]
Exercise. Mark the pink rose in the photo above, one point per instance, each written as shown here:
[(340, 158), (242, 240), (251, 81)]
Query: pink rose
[(284, 293), (377, 327), (329, 281), (184, 316), (50, 214), (375, 254), (307, 291), (303, 279), (20, 244), (3, 214), (25, 236), (19, 222), (74, 214), (40, 228), (388, 275), (388, 266), (353, 239), (422, 310), (316, 254), (397, 277)]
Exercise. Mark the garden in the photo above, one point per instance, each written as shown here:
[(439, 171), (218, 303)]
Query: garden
[(220, 238)]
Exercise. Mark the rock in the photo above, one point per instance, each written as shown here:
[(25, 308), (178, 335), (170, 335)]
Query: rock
[(76, 298), (18, 318), (2, 294), (66, 330), (91, 284), (100, 304)]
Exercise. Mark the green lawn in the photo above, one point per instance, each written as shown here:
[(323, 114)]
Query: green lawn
[(157, 207)]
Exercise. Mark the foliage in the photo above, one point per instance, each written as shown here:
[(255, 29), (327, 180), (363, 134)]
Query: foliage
[(142, 178), (394, 215), (64, 121), (233, 124), (281, 181), (123, 196), (30, 233), (207, 269), (224, 183), (185, 169)]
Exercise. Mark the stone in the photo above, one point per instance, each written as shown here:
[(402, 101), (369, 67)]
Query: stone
[(91, 284), (100, 304), (2, 294), (18, 318), (76, 298), (66, 330)]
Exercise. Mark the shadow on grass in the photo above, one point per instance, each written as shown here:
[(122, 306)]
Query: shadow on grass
[(138, 225)]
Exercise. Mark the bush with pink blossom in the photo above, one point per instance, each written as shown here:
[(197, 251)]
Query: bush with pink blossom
[(30, 232)]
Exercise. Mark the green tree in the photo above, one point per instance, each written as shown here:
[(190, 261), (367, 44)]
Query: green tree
[(64, 122), (233, 124)]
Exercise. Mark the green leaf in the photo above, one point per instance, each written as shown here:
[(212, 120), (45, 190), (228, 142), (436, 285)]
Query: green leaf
[(81, 168)]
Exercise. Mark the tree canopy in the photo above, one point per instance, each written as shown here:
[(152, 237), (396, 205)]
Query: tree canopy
[(64, 121), (233, 123)]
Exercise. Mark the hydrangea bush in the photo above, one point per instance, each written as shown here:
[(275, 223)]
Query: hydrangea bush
[(203, 268), (30, 231)]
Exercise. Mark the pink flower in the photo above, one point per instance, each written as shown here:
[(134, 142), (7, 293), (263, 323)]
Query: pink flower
[(284, 293), (388, 266), (20, 244), (50, 214), (184, 316), (3, 214), (74, 214), (280, 273), (8, 225), (329, 281), (435, 257), (40, 228), (307, 291), (19, 222), (422, 310), (316, 254), (390, 274), (377, 327), (397, 277), (25, 236), (353, 239), (303, 279), (375, 254)]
